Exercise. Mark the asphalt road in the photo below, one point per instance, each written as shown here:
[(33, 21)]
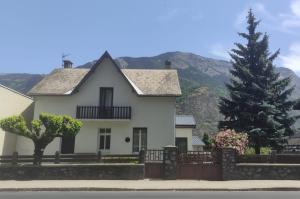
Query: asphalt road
[(151, 194)]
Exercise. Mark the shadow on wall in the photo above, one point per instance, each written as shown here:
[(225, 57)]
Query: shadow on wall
[(28, 114), (10, 140)]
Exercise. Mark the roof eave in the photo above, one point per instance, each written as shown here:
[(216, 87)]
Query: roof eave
[(185, 126), (14, 91), (48, 94), (162, 95)]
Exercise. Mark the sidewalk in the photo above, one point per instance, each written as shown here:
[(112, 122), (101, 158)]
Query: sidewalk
[(142, 185)]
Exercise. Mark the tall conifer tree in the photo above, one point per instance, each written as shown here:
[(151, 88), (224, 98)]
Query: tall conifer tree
[(258, 101)]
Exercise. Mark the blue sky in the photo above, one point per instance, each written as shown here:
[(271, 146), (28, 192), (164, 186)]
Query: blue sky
[(34, 33)]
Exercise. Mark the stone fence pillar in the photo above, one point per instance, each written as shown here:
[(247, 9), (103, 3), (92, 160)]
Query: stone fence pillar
[(273, 156), (170, 162), (14, 160), (228, 163), (142, 156), (57, 157), (99, 156)]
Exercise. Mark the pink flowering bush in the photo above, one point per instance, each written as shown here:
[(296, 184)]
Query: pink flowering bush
[(230, 139)]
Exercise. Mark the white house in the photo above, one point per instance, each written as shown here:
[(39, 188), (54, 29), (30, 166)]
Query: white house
[(122, 110), (12, 103)]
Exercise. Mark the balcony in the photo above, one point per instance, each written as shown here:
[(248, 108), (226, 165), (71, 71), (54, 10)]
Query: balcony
[(97, 112)]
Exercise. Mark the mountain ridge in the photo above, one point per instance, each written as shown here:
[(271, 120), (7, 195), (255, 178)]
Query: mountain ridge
[(201, 78)]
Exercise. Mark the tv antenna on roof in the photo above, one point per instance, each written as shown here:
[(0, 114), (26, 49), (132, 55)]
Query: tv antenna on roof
[(63, 56)]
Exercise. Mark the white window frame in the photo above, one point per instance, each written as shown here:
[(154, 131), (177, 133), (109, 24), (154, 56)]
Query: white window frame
[(140, 138), (104, 151)]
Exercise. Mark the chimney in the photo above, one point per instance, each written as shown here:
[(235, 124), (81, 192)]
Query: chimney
[(168, 64), (67, 64)]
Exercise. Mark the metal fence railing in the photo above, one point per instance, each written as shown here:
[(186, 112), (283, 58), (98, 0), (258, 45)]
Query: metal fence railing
[(154, 155)]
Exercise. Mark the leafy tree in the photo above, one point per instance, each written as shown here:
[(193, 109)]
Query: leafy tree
[(42, 131), (258, 102)]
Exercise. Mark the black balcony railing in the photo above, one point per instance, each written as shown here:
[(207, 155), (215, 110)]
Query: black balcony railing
[(97, 112)]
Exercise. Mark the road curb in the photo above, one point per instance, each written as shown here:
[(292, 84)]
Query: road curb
[(150, 189)]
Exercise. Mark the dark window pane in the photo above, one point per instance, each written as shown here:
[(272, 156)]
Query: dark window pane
[(107, 142), (102, 130), (108, 130), (144, 139), (135, 142), (101, 146), (108, 98)]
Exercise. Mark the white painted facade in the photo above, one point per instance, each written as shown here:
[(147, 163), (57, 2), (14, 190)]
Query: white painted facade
[(12, 103), (157, 114)]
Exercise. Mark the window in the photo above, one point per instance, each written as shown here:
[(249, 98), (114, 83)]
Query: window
[(104, 139), (139, 139)]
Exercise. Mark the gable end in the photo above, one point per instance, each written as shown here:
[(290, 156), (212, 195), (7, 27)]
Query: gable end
[(95, 66)]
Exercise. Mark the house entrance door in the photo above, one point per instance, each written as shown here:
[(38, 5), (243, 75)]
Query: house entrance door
[(67, 144), (181, 144)]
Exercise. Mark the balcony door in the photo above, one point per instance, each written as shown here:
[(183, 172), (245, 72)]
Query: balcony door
[(106, 102), (139, 139)]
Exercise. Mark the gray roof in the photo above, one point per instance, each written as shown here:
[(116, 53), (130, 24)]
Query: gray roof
[(196, 140), (154, 82), (185, 121), (145, 82), (59, 82)]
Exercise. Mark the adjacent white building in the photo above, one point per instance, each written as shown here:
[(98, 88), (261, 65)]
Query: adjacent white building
[(12, 103), (184, 132)]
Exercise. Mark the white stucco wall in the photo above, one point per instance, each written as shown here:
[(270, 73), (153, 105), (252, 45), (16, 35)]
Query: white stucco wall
[(157, 114), (187, 133), (12, 103)]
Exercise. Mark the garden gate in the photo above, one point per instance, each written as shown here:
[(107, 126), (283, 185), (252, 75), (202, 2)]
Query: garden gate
[(197, 165)]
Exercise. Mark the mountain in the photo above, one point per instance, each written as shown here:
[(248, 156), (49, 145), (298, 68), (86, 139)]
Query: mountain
[(202, 82), (21, 82)]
